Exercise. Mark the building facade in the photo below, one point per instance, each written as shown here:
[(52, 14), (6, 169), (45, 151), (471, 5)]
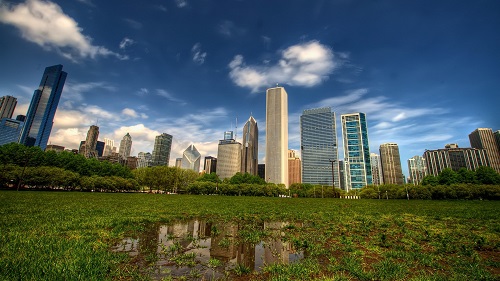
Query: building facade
[(161, 150), (109, 144), (10, 130), (228, 157), (125, 146), (319, 148), (210, 165), (391, 163), (358, 171), (294, 168), (144, 159), (178, 162), (377, 177), (191, 159), (7, 106), (250, 147), (43, 106), (277, 136), (454, 158), (417, 169), (483, 138), (88, 150)]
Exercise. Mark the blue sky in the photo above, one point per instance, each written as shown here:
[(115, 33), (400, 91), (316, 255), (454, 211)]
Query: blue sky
[(426, 73)]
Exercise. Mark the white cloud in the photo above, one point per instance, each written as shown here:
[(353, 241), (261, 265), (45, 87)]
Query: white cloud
[(170, 97), (44, 23), (306, 64), (74, 92), (198, 55), (142, 92), (126, 42), (133, 23), (132, 113), (228, 29), (181, 3)]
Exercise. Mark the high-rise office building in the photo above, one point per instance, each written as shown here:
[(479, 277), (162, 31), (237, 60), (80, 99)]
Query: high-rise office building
[(125, 146), (191, 159), (294, 168), (10, 129), (319, 150), (497, 138), (454, 158), (342, 174), (109, 144), (228, 135), (358, 171), (161, 151), (210, 165), (7, 106), (144, 159), (228, 158), (417, 169), (99, 147), (43, 106), (250, 147), (89, 149), (483, 138), (377, 177), (178, 162), (277, 136), (391, 163)]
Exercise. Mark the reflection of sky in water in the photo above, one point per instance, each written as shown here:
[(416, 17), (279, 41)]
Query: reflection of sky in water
[(198, 236)]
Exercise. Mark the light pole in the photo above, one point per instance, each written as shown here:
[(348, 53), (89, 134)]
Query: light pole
[(333, 177)]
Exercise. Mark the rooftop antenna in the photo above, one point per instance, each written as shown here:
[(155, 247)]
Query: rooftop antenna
[(236, 129)]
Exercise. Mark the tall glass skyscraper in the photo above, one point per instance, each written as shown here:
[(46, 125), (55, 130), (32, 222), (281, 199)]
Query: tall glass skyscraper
[(43, 107), (191, 159), (391, 163), (318, 145), (125, 146), (358, 172), (250, 147), (161, 151), (417, 169)]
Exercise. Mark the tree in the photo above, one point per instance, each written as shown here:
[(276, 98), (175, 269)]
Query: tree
[(487, 175), (212, 177), (448, 176), (430, 180)]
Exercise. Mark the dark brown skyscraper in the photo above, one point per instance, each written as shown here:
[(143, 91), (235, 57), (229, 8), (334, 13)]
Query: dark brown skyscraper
[(250, 147), (483, 138)]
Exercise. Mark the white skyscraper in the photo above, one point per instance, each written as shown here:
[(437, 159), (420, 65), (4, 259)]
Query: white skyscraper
[(228, 158), (277, 136), (377, 177), (108, 147), (191, 159)]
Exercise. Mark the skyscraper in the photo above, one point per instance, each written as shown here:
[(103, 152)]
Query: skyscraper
[(391, 163), (125, 146), (191, 159), (228, 158), (178, 162), (7, 106), (377, 177), (43, 106), (277, 136), (250, 147), (144, 159), (417, 169), (10, 129), (89, 149), (483, 138), (319, 151), (210, 165), (294, 168), (161, 151), (108, 146), (358, 171)]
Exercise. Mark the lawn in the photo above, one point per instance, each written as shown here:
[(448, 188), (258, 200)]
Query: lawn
[(73, 236)]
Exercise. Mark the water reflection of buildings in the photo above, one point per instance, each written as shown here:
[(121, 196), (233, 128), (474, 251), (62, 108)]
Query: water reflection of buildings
[(216, 240)]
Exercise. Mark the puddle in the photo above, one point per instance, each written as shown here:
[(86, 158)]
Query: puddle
[(207, 250)]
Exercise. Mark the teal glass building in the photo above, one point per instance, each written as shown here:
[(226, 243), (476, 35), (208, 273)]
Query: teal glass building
[(358, 171), (43, 106)]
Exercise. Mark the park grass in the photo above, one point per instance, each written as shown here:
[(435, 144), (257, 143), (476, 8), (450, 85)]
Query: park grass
[(69, 235)]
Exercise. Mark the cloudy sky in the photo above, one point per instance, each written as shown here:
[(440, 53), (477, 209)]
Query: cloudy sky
[(426, 73)]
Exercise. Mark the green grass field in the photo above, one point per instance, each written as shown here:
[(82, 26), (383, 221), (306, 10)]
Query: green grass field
[(70, 236)]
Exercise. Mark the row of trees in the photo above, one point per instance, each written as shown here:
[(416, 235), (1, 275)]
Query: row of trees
[(482, 175), (58, 178), (164, 178), (435, 192), (23, 156)]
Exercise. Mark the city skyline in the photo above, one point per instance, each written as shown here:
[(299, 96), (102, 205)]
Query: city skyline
[(144, 75)]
